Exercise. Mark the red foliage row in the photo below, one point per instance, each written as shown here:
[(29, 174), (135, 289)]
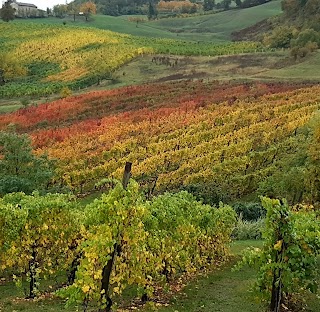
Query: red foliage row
[(96, 105)]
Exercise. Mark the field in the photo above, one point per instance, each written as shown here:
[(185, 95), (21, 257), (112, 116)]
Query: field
[(82, 56), (215, 131), (266, 66)]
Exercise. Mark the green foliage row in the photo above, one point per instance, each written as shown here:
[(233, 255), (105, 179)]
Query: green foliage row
[(154, 242), (295, 176), (248, 229), (287, 263), (37, 236)]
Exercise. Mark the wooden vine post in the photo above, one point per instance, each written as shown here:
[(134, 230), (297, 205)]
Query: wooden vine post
[(107, 270), (276, 291), (33, 273)]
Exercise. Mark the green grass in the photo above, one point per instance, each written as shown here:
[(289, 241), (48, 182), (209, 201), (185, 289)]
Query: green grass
[(212, 27), (218, 27), (9, 108), (243, 67), (118, 24), (306, 69)]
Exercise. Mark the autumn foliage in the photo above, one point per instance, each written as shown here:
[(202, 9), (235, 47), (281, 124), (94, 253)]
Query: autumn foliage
[(88, 8), (185, 133)]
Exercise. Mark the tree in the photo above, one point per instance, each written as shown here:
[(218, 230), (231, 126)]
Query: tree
[(208, 5), (20, 169), (60, 10), (280, 37), (152, 11), (88, 8), (2, 81), (73, 9), (7, 12), (226, 4)]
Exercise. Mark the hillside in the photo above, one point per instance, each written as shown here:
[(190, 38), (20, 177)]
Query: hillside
[(210, 27), (218, 27), (201, 134), (135, 157), (43, 59)]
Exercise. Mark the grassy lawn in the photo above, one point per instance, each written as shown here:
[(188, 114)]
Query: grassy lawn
[(308, 68), (232, 67)]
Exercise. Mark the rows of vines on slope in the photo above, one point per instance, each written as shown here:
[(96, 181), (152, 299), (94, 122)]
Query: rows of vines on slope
[(213, 144), (100, 104), (56, 56), (157, 241), (236, 143)]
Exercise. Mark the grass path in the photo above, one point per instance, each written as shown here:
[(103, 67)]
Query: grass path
[(227, 291), (221, 291)]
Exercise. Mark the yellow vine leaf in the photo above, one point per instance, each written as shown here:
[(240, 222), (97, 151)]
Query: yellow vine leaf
[(278, 245)]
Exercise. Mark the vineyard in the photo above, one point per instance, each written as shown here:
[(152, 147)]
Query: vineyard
[(153, 246), (119, 198), (218, 141), (183, 134), (52, 57)]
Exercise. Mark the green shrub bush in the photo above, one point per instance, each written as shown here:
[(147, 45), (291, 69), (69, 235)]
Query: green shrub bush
[(306, 37), (248, 229), (249, 211)]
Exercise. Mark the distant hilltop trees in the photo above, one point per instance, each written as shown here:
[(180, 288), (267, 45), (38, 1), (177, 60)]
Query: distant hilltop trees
[(167, 7)]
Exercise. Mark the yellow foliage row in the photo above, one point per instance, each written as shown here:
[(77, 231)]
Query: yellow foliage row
[(217, 143), (77, 51)]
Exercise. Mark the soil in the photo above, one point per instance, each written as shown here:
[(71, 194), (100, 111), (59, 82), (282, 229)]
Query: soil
[(254, 32)]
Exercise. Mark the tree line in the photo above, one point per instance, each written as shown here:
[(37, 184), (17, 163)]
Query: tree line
[(150, 7)]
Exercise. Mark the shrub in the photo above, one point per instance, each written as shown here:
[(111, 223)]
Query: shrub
[(248, 229), (25, 102), (311, 46), (306, 37), (208, 194), (249, 211), (297, 52), (280, 37)]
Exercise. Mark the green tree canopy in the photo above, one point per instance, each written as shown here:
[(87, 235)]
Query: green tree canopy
[(7, 12), (20, 169), (60, 10)]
